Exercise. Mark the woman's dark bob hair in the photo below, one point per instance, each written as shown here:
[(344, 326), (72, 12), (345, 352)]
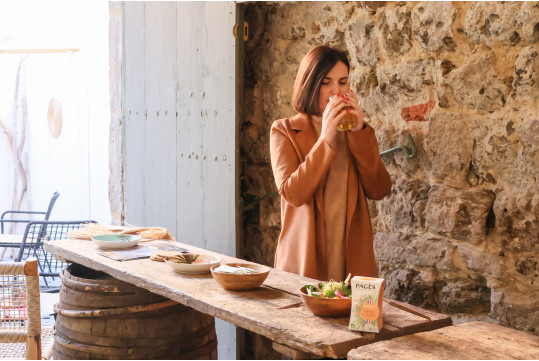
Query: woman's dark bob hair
[(311, 73)]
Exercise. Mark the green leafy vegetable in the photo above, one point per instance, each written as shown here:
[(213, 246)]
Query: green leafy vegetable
[(329, 289)]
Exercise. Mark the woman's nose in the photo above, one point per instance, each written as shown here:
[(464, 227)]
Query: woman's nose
[(335, 89)]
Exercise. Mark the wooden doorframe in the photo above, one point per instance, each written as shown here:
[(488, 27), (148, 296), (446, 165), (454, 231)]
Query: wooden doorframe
[(240, 55)]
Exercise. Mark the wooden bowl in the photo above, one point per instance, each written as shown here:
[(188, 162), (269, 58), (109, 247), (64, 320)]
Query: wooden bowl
[(330, 307), (241, 282)]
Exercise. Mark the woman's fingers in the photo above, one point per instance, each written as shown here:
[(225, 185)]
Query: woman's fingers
[(333, 103), (333, 111), (353, 100), (359, 120)]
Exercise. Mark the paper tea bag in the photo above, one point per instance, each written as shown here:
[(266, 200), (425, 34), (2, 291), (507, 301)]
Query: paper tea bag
[(367, 297)]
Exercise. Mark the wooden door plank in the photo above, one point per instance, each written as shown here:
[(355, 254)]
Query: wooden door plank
[(219, 130), (160, 120), (190, 70), (134, 112)]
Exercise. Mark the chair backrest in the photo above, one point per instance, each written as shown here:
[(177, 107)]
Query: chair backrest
[(51, 205), (14, 222), (20, 314), (35, 235)]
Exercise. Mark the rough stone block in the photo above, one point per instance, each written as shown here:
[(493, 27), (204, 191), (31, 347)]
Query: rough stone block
[(448, 149), (397, 30), (459, 214), (399, 83), (269, 215), (361, 40), (411, 167), (476, 85), (260, 244), (430, 251), (424, 250), (529, 17), (260, 181), (372, 6), (528, 132), (495, 150), (526, 79), (485, 263), (432, 25), (491, 22), (517, 216), (403, 205), (527, 265), (407, 285), (516, 308), (468, 294)]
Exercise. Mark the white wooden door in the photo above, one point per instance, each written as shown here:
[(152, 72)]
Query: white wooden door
[(180, 125), (206, 125)]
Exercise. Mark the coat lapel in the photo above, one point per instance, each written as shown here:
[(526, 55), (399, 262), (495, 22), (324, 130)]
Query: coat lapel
[(305, 133), (305, 139), (353, 185)]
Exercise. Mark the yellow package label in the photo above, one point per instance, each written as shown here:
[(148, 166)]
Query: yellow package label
[(367, 298)]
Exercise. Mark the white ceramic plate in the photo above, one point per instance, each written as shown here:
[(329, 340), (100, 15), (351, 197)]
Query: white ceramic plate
[(116, 241), (201, 265)]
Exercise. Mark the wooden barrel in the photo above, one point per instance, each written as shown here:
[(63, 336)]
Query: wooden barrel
[(100, 317)]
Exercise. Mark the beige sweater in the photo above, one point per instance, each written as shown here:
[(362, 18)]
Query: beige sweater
[(335, 198)]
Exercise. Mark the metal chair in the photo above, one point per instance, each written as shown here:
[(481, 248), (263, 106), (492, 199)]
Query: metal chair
[(20, 316), (35, 235), (12, 212)]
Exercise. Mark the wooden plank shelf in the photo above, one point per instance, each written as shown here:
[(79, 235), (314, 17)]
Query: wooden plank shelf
[(274, 310), (466, 341)]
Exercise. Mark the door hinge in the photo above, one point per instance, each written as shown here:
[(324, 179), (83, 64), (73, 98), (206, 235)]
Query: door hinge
[(245, 31)]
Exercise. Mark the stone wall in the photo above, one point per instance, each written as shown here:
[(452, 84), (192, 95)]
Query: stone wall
[(459, 232)]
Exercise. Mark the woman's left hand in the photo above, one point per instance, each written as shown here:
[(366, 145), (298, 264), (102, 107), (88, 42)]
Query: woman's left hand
[(356, 110)]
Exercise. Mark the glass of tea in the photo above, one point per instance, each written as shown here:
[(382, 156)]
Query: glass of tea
[(348, 121)]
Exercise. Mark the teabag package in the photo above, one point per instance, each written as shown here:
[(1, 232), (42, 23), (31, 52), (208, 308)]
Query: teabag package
[(367, 298)]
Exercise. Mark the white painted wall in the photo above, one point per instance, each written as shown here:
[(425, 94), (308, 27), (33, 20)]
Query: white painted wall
[(180, 126), (75, 163)]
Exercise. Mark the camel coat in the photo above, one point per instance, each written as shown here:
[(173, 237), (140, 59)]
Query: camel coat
[(300, 161)]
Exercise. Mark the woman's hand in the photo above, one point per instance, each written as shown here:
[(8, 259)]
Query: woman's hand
[(356, 110), (331, 118)]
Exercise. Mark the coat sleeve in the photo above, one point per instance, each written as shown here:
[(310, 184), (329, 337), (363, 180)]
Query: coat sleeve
[(373, 175), (297, 181)]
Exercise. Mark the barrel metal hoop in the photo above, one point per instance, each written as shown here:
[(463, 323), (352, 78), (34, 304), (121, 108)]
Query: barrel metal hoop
[(114, 311), (119, 351), (92, 287), (102, 350)]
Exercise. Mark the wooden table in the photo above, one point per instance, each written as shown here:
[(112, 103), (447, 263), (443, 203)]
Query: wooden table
[(467, 341), (274, 310)]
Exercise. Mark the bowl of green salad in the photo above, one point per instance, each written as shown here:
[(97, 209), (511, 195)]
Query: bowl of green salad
[(329, 299)]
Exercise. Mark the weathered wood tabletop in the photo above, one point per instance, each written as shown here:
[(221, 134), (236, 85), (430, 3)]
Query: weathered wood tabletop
[(466, 341), (274, 310)]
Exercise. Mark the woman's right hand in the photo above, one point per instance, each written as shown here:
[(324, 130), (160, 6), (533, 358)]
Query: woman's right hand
[(331, 117)]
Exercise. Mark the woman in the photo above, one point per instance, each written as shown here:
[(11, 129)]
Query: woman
[(324, 175)]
